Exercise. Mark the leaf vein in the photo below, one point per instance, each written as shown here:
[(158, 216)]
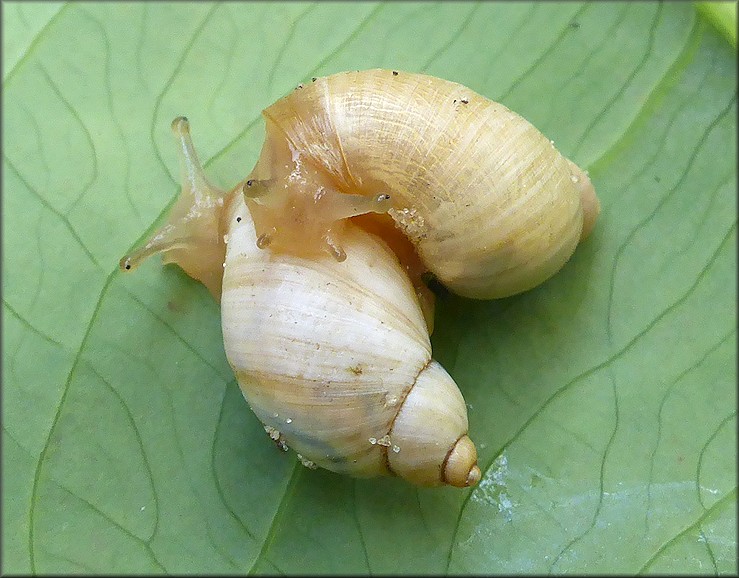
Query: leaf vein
[(701, 454), (288, 39), (140, 443), (165, 89), (661, 203), (359, 527), (605, 38), (203, 510), (57, 413), (214, 470), (224, 150), (601, 483), (33, 44), (629, 80), (279, 513), (181, 339), (30, 326), (527, 17), (116, 122), (111, 521), (653, 99), (88, 137), (230, 54), (727, 499), (60, 216), (709, 550), (526, 73), (457, 33), (668, 392)]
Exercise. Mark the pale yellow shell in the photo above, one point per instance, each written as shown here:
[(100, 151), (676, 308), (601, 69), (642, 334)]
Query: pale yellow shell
[(490, 204)]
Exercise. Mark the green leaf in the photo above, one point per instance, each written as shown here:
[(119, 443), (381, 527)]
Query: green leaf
[(722, 15), (603, 403)]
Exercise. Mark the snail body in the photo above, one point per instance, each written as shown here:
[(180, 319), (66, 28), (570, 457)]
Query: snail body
[(490, 205)]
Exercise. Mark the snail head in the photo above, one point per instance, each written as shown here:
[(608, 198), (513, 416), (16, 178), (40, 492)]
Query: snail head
[(298, 209)]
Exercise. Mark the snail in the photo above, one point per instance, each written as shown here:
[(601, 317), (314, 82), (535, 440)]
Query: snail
[(367, 182), (332, 356), (490, 205)]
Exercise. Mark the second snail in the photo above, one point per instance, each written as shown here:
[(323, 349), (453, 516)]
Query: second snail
[(368, 180)]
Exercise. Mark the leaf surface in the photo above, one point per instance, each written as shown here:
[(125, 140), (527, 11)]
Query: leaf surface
[(603, 403)]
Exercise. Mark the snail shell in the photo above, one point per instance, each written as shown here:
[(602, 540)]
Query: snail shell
[(333, 357), (490, 205)]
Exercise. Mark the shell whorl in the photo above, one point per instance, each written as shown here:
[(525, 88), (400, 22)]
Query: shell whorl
[(431, 426)]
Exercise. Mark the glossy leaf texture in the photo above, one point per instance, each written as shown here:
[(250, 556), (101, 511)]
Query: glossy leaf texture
[(603, 402)]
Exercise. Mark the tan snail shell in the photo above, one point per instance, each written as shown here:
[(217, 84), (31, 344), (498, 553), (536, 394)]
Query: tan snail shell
[(490, 205), (333, 357)]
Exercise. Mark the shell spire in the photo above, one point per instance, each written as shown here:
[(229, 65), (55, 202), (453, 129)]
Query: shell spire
[(430, 431)]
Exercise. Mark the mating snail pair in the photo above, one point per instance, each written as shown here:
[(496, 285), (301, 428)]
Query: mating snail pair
[(366, 181)]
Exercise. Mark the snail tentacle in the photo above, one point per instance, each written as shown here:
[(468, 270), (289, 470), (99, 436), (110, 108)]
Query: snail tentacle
[(193, 235)]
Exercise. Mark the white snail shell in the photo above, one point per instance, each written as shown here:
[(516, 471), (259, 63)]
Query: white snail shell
[(336, 358), (490, 204)]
